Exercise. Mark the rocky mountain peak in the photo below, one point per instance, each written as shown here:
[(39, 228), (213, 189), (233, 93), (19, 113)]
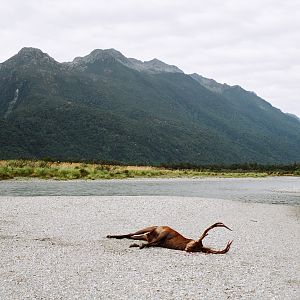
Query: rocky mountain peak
[(210, 84), (157, 66), (152, 66), (31, 52), (101, 55), (28, 56)]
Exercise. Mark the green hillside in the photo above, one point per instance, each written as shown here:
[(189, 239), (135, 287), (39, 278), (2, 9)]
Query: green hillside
[(107, 107)]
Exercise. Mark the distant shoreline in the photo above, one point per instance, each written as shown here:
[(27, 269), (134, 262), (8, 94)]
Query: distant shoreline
[(273, 190), (23, 169), (147, 179)]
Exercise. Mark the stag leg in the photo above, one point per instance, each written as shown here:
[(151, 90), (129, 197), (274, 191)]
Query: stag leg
[(157, 241), (151, 244), (213, 251), (134, 245), (141, 237), (205, 233), (131, 235)]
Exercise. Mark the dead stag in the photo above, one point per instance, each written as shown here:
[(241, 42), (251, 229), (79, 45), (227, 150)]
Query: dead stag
[(166, 237)]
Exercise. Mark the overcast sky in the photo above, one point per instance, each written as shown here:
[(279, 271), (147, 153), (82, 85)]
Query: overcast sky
[(255, 44)]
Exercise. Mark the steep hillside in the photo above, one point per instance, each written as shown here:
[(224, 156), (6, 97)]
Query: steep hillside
[(108, 107)]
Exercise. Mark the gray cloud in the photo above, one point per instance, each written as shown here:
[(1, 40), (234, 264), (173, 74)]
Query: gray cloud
[(254, 44)]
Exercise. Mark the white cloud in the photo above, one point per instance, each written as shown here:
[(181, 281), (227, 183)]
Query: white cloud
[(251, 43)]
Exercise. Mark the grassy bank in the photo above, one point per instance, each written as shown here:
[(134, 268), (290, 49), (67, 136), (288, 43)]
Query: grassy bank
[(69, 170)]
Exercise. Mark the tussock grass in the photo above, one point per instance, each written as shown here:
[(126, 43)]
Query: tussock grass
[(10, 169)]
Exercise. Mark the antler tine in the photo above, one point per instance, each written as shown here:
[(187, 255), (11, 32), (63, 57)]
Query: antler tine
[(227, 247), (209, 250), (218, 224), (223, 225)]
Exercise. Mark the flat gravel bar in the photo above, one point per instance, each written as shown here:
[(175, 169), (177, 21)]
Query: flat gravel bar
[(55, 248)]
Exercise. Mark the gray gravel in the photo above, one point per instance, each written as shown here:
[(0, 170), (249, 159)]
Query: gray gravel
[(55, 248)]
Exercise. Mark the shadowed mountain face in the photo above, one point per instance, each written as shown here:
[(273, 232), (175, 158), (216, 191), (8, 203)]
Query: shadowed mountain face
[(108, 107)]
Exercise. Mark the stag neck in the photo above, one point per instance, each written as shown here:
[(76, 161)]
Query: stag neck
[(180, 243)]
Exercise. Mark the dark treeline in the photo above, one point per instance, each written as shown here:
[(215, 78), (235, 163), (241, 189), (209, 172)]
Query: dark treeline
[(243, 167), (247, 167), (83, 161)]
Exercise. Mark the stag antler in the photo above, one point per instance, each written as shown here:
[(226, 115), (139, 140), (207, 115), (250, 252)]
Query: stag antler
[(205, 233)]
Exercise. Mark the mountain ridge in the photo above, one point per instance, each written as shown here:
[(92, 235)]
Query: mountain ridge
[(151, 66), (109, 107)]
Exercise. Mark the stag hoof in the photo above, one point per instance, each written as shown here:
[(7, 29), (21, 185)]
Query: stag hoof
[(109, 236), (134, 245)]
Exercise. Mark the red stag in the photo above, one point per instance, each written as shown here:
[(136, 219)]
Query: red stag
[(166, 237)]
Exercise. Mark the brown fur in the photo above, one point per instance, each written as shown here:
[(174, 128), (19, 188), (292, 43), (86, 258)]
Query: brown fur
[(166, 237)]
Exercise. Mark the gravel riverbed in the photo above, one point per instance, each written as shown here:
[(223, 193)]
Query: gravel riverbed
[(55, 248)]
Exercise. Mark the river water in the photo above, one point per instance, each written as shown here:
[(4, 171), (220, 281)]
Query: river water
[(275, 190)]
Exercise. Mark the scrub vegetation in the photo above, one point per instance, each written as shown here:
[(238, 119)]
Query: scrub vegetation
[(43, 169)]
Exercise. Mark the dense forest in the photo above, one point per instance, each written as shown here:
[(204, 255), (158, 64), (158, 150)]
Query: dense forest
[(107, 107)]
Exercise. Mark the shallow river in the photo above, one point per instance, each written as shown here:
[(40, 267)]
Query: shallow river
[(276, 190)]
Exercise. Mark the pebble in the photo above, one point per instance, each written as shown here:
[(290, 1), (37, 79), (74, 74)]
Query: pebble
[(58, 249)]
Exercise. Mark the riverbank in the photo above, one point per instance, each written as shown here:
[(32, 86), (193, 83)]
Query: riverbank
[(55, 247), (67, 171), (275, 190)]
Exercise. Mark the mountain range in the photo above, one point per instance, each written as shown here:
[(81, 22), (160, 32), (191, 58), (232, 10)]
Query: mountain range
[(107, 107)]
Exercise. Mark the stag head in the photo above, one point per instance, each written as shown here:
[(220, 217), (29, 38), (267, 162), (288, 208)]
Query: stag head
[(197, 246), (194, 246)]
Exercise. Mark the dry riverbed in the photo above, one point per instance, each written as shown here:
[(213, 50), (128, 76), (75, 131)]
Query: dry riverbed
[(55, 248)]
